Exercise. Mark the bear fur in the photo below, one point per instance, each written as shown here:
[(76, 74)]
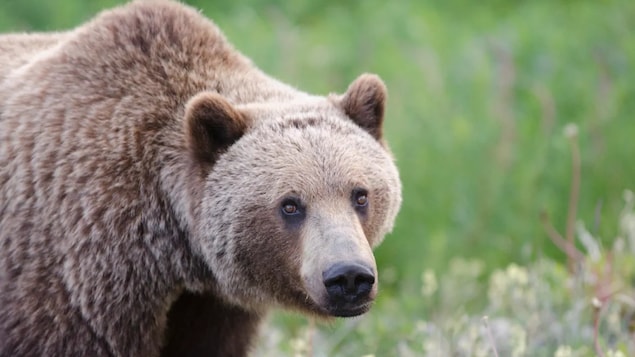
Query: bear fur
[(159, 193)]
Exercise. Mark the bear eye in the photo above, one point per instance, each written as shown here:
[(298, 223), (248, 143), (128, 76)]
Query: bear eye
[(293, 212), (360, 198), (290, 207)]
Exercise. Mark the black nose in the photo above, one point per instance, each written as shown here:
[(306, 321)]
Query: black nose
[(348, 282)]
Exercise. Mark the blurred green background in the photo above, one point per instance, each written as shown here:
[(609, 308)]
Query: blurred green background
[(479, 94)]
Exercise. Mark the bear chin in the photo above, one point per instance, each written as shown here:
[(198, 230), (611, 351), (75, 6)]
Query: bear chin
[(349, 310), (330, 311)]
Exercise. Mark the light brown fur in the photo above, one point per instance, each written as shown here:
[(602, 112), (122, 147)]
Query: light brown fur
[(142, 165)]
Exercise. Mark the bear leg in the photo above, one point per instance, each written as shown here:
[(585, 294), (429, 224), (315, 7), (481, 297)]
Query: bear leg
[(202, 325)]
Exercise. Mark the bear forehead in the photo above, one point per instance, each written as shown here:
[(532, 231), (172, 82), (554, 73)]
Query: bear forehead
[(313, 156), (326, 142), (313, 117)]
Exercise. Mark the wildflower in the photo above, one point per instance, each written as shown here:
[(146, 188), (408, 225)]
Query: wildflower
[(571, 130), (517, 274), (518, 341), (627, 219), (564, 351), (299, 346), (430, 284), (590, 244), (615, 353)]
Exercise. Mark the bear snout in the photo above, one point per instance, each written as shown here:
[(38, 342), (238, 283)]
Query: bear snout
[(349, 287)]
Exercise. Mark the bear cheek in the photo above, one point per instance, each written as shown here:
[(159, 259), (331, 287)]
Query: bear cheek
[(381, 215), (266, 257)]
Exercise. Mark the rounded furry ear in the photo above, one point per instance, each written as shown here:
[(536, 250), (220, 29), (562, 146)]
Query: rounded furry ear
[(364, 102), (212, 124)]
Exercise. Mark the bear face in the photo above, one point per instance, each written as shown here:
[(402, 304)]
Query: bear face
[(309, 185)]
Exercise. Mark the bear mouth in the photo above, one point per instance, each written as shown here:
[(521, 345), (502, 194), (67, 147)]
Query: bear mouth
[(349, 310)]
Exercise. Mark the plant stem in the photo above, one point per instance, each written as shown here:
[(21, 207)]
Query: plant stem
[(489, 335), (574, 195), (597, 308)]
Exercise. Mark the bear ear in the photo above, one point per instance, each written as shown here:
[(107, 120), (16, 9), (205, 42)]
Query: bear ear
[(212, 124), (364, 103)]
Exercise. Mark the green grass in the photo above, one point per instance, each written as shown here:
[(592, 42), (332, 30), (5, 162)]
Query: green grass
[(480, 93)]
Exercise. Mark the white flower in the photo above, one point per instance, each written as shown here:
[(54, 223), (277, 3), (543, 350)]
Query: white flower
[(430, 285), (627, 219), (518, 340), (299, 346), (563, 351), (617, 353), (596, 302), (518, 274), (571, 130), (590, 244)]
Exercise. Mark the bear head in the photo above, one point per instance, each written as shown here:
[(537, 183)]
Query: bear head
[(295, 195)]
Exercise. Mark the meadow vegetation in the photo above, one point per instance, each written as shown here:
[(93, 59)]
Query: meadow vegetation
[(491, 104)]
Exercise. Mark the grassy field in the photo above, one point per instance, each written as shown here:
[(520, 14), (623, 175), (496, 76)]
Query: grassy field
[(480, 95)]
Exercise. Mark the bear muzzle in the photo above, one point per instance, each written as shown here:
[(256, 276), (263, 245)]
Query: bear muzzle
[(349, 288), (338, 267)]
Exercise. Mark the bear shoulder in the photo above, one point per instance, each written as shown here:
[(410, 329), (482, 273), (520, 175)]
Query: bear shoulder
[(19, 48)]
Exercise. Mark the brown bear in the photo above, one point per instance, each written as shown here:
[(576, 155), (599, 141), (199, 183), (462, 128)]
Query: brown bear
[(159, 193)]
